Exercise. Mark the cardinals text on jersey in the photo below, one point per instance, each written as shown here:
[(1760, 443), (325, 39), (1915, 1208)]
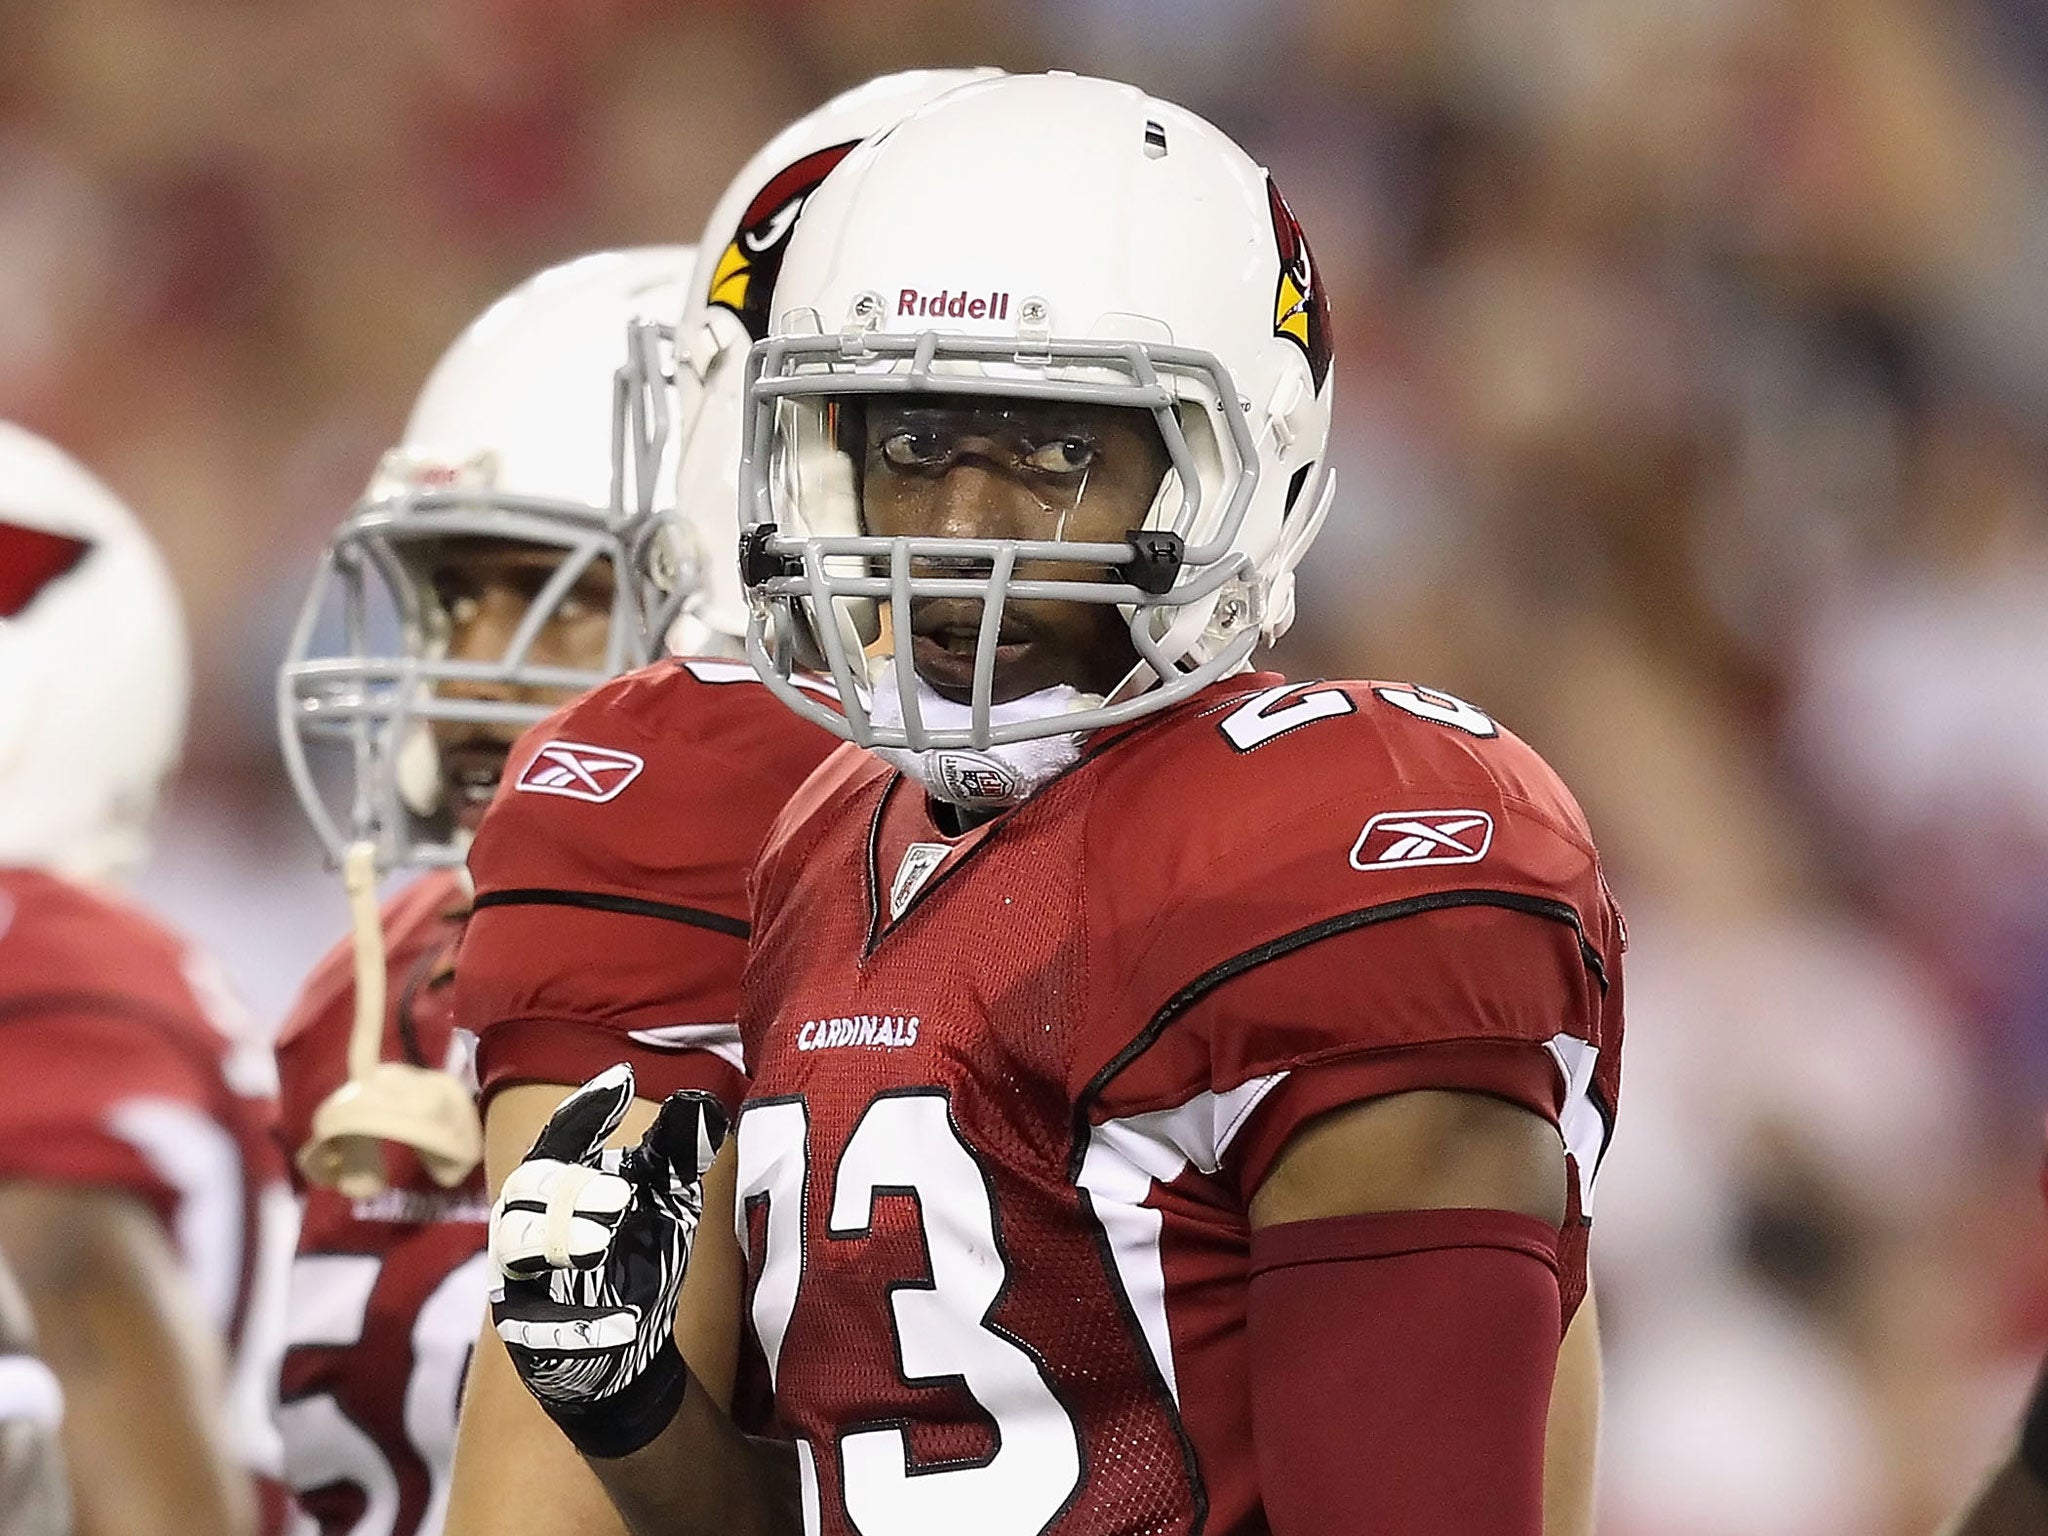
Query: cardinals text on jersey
[(999, 1262)]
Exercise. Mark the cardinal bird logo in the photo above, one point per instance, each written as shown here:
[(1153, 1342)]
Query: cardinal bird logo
[(30, 559), (744, 279), (1301, 310)]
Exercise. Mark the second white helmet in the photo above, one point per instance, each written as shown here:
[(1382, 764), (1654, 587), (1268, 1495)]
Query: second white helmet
[(549, 421), (739, 260)]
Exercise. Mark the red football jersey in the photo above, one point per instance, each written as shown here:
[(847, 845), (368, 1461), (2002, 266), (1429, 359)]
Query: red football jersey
[(388, 1293), (129, 1067), (1012, 1091), (610, 874)]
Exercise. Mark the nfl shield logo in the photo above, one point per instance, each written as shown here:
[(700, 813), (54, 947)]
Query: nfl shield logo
[(919, 860), (971, 779)]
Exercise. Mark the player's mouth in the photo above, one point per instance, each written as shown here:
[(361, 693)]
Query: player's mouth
[(470, 771), (945, 640)]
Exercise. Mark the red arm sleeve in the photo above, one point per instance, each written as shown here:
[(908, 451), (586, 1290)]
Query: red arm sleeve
[(556, 993), (1401, 1372), (1373, 905)]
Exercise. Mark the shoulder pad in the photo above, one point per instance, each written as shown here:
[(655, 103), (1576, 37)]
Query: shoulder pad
[(1309, 800), (660, 783), (58, 938)]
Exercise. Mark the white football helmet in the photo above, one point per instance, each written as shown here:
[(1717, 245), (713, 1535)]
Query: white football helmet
[(94, 671), (738, 260), (549, 422), (1169, 276)]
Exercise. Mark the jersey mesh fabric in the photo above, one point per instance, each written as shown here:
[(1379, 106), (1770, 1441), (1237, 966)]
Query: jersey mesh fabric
[(988, 1147)]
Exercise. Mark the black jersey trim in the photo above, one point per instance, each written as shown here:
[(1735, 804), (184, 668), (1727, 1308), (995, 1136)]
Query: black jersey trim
[(1365, 917), (631, 906)]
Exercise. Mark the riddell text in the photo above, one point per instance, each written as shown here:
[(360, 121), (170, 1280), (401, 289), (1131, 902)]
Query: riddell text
[(953, 306)]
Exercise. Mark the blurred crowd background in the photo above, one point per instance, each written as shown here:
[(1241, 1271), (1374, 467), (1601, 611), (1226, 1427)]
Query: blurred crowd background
[(1693, 419)]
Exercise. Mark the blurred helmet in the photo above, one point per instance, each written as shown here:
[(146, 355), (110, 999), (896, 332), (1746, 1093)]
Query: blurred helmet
[(94, 671), (1168, 275), (548, 423), (738, 259)]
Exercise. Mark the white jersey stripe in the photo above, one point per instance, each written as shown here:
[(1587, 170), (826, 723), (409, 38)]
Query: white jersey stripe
[(200, 1161), (1126, 1159)]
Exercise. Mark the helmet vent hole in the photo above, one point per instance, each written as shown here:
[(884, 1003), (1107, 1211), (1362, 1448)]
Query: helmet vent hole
[(1155, 140)]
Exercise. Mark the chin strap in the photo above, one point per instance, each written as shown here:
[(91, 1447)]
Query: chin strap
[(417, 1107), (983, 778)]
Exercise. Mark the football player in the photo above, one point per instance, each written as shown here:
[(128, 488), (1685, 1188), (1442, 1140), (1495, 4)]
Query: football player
[(142, 1202), (611, 871), (500, 541), (33, 1498), (1175, 1093)]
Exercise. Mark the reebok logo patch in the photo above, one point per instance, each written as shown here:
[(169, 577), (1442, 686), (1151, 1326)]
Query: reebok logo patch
[(580, 772), (1404, 839)]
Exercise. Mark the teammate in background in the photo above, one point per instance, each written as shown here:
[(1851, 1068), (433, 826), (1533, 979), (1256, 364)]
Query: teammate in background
[(611, 871), (142, 1202), (33, 1498), (498, 538), (1175, 1094)]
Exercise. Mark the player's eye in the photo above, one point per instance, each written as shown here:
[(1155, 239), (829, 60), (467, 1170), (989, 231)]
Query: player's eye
[(588, 599), (1068, 455), (911, 449), (455, 592)]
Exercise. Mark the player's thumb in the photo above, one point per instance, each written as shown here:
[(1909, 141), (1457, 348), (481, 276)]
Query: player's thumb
[(687, 1133), (590, 1114)]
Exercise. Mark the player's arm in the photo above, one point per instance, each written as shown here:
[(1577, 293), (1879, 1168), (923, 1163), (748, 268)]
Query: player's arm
[(513, 1468), (1404, 1317), (700, 1476), (141, 1376), (589, 1249), (33, 1498), (1571, 1447)]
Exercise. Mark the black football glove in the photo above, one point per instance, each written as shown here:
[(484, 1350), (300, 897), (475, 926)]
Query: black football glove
[(590, 1247)]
